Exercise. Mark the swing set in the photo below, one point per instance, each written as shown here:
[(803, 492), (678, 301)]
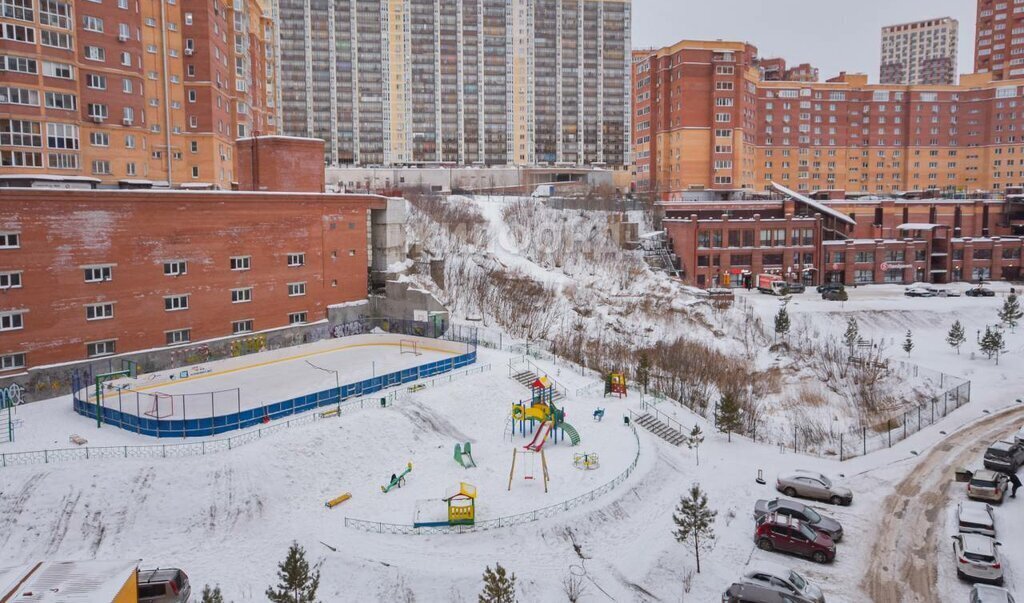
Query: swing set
[(529, 467)]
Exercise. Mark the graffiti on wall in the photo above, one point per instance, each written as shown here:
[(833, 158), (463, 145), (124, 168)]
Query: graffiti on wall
[(348, 329), (248, 345), (11, 395)]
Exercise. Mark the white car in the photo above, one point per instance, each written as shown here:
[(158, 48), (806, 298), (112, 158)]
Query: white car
[(977, 558), (1019, 436), (982, 593), (975, 518), (781, 578)]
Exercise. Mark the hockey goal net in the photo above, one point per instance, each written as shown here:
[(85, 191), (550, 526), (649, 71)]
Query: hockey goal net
[(161, 406), (409, 346)]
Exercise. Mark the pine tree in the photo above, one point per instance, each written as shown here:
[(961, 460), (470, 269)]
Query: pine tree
[(212, 595), (643, 371), (782, 322), (695, 521), (297, 583), (992, 344), (908, 343), (852, 334), (498, 587), (1011, 313), (730, 414), (694, 440), (956, 336)]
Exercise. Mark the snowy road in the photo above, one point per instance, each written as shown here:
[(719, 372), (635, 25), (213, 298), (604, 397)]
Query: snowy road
[(904, 565)]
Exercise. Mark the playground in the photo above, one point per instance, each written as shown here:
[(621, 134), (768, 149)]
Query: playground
[(224, 388)]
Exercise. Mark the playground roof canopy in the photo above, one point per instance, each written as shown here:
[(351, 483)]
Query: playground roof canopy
[(463, 491), (542, 381)]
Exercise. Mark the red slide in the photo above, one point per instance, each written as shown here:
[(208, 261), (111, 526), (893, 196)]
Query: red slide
[(540, 437)]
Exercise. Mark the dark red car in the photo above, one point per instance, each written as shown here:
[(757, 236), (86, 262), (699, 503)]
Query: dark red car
[(788, 535)]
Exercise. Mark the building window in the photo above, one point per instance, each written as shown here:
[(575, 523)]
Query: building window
[(865, 257), (54, 13), (296, 289), (12, 361), (98, 111), (863, 277), (195, 171), (18, 64), (241, 326), (95, 53), (12, 321), (100, 348), (99, 139), (61, 136), (175, 268), (58, 70), (893, 275), (17, 9), (17, 33), (101, 167), (99, 311), (20, 133), (96, 274), (175, 302), (241, 262), (241, 296), (90, 23), (95, 81), (10, 240), (18, 96), (296, 318), (296, 259), (179, 336), (10, 280)]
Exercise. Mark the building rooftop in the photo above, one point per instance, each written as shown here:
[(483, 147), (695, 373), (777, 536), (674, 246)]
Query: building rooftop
[(66, 581)]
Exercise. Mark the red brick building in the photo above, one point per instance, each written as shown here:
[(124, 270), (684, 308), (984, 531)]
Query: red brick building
[(705, 119), (999, 39), (722, 242)]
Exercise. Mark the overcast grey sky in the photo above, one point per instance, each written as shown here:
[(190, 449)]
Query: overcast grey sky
[(834, 35)]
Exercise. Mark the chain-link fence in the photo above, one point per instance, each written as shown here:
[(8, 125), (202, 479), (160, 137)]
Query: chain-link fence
[(185, 449), (380, 527)]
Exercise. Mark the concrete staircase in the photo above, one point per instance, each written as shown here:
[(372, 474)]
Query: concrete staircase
[(526, 379), (663, 431)]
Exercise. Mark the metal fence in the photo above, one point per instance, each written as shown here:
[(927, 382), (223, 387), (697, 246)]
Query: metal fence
[(85, 453), (211, 413), (379, 527)]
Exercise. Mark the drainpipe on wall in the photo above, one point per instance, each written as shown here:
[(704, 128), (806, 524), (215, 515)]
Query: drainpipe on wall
[(167, 89)]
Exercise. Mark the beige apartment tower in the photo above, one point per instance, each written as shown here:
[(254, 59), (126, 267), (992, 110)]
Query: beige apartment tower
[(467, 82), (920, 53)]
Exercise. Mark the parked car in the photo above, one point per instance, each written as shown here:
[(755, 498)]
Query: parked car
[(980, 292), (920, 292), (921, 285), (977, 558), (1019, 436), (983, 593), (975, 518), (835, 295), (831, 287), (788, 535), (163, 585), (792, 288), (808, 484), (1004, 456), (988, 485), (741, 592), (798, 510), (781, 578), (947, 293)]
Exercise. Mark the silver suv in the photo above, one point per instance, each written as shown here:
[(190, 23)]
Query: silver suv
[(163, 585), (741, 592), (810, 484)]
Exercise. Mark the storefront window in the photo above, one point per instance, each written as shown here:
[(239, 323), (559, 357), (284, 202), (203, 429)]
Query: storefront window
[(894, 276), (865, 257), (864, 277)]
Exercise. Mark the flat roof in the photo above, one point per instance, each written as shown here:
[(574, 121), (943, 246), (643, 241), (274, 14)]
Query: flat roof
[(66, 581), (919, 226), (166, 194)]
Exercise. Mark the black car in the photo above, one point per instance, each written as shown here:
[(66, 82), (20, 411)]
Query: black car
[(831, 287), (834, 295), (980, 292), (791, 508), (1004, 456)]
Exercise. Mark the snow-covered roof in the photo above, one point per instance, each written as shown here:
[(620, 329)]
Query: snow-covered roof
[(816, 205), (917, 226), (277, 137), (51, 177), (66, 581)]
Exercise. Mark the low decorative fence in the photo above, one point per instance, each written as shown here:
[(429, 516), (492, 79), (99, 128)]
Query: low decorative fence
[(379, 527), (86, 453), (227, 414)]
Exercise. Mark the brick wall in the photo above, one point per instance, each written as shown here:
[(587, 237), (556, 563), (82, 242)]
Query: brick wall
[(136, 232)]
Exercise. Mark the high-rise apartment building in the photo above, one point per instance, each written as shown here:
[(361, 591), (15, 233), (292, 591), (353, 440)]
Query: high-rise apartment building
[(922, 52), (486, 82), (127, 90), (999, 39), (704, 119)]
